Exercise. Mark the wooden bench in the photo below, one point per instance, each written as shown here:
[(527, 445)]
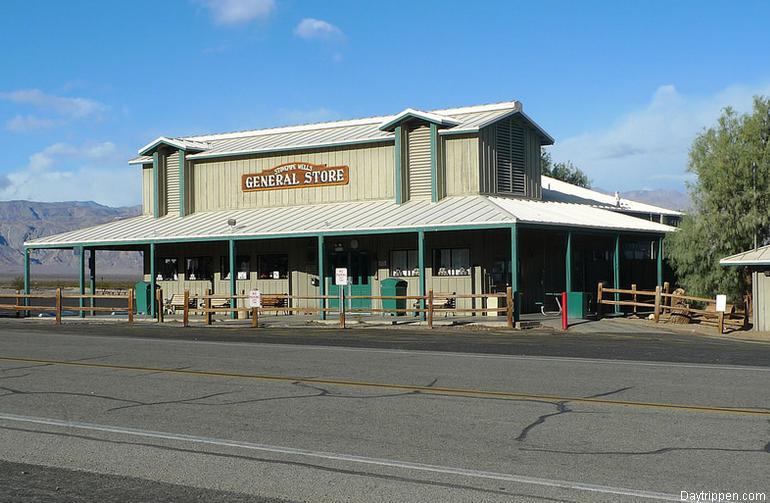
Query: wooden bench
[(446, 304), (176, 302), (279, 302)]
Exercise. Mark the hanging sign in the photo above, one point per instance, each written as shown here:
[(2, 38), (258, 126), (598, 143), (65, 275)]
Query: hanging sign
[(295, 175)]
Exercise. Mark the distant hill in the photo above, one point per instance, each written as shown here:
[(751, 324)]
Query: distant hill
[(24, 220), (671, 199)]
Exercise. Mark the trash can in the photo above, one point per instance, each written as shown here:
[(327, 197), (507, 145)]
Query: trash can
[(393, 287), (577, 304), (143, 297)]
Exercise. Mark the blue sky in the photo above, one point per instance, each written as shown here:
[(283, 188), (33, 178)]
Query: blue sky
[(622, 86)]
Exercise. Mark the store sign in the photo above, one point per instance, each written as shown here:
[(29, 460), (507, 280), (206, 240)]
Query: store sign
[(295, 175)]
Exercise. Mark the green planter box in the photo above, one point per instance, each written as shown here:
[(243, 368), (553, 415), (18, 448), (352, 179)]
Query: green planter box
[(393, 287), (143, 297), (577, 304)]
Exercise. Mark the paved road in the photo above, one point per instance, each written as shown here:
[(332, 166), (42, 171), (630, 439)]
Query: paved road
[(305, 422)]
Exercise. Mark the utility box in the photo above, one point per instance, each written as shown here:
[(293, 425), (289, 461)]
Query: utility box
[(577, 304), (394, 287), (143, 297)]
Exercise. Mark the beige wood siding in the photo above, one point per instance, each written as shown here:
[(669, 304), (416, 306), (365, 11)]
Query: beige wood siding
[(216, 184), (510, 159), (171, 177), (418, 162), (460, 164), (147, 190)]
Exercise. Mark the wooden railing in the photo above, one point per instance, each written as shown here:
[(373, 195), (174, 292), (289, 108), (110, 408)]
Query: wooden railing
[(665, 304), (23, 303), (428, 305)]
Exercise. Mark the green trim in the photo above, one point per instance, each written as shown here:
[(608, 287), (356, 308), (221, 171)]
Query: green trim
[(153, 283), (82, 279), (321, 277), (233, 284), (421, 266), (434, 194), (92, 277), (397, 158), (156, 185), (298, 148), (616, 270), (568, 263), (660, 262), (26, 278), (182, 184), (515, 272)]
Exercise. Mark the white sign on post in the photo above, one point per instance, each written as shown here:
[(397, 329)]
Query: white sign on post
[(721, 303), (255, 298), (341, 276)]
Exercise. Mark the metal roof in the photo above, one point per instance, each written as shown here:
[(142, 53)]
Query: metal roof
[(347, 132), (355, 217), (558, 190), (760, 256)]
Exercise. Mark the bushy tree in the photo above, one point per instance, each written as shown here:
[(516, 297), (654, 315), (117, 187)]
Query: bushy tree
[(730, 212), (565, 171)]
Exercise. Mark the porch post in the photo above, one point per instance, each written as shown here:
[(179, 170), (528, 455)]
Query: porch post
[(92, 277), (82, 278), (153, 304), (233, 303), (515, 272), (568, 263), (155, 188), (660, 261), (26, 279), (421, 265), (321, 278), (616, 270)]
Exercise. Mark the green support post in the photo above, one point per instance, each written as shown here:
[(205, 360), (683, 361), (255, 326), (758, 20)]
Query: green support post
[(421, 266), (233, 303), (660, 261), (568, 263), (616, 270), (156, 184), (92, 277), (26, 279), (153, 303), (515, 272), (82, 279), (399, 181), (182, 184), (321, 278)]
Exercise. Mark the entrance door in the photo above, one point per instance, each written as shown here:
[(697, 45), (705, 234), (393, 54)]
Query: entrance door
[(357, 263)]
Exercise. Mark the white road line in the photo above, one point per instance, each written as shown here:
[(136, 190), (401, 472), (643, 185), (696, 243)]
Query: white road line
[(406, 465)]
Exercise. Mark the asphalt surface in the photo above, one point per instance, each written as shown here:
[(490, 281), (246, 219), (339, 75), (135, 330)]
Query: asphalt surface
[(408, 415)]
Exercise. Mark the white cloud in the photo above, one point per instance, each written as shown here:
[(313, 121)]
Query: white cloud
[(27, 123), (649, 146), (65, 172), (231, 12), (71, 108), (310, 28)]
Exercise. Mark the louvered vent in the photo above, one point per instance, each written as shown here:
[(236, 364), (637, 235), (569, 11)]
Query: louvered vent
[(517, 160), (418, 145), (172, 184), (509, 146)]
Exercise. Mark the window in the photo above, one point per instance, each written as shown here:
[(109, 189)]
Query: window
[(198, 268), (167, 270), (404, 263), (452, 262), (273, 266), (242, 267)]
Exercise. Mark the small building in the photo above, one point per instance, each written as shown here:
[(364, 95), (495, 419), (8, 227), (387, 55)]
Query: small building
[(757, 261), (450, 200)]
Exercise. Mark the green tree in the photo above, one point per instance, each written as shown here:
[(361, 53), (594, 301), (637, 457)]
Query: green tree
[(730, 194), (565, 171)]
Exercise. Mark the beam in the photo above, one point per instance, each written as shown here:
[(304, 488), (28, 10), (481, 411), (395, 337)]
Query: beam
[(398, 157), (82, 278), (233, 300), (321, 277), (568, 263), (421, 266), (515, 272), (660, 261), (616, 270), (153, 284)]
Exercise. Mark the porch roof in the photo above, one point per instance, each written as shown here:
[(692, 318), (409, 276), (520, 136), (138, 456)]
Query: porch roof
[(757, 257), (348, 218)]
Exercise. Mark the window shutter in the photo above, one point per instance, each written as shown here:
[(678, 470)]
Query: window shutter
[(518, 177), (503, 147)]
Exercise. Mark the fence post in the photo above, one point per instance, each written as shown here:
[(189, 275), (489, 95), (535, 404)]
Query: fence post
[(564, 311), (430, 308), (18, 304), (509, 306), (633, 290), (656, 314), (186, 309), (342, 306), (131, 305), (207, 306), (599, 301), (58, 306), (159, 300), (721, 320), (666, 289), (254, 317)]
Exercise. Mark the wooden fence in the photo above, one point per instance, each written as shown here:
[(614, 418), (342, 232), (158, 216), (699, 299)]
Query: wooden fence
[(24, 303), (429, 305), (663, 304)]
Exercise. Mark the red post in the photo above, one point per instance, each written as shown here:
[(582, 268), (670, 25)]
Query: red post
[(564, 319)]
